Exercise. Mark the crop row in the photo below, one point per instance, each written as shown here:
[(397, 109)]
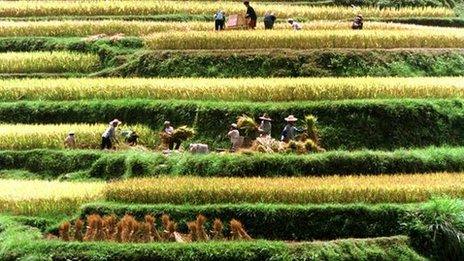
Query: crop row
[(95, 8), (47, 62), (348, 124), (35, 196), (138, 28), (335, 189), (380, 3), (20, 136), (237, 89), (306, 39)]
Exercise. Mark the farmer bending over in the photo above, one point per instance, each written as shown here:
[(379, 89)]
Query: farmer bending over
[(295, 26)]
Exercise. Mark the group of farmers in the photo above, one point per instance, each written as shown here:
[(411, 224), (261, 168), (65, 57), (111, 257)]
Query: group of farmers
[(269, 19), (289, 132), (109, 135), (251, 19)]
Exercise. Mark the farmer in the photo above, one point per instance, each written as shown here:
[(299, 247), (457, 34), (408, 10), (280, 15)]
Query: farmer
[(265, 127), (219, 20), (168, 130), (109, 135), (295, 26), (132, 138), (250, 15), (70, 141), (358, 22), (234, 136), (269, 20), (289, 132)]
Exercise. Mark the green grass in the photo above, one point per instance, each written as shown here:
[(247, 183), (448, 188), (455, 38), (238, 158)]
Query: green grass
[(20, 241), (85, 165)]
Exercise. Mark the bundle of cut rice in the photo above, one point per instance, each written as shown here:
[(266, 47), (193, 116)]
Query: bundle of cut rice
[(183, 133)]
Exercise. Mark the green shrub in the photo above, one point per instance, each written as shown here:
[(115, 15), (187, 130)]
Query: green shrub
[(436, 228), (265, 63), (279, 222), (51, 161), (21, 242), (104, 165)]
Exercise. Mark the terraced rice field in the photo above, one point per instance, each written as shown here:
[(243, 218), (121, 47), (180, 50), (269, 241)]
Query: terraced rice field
[(237, 89), (375, 171)]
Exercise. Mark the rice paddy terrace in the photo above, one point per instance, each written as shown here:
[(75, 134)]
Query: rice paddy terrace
[(377, 172)]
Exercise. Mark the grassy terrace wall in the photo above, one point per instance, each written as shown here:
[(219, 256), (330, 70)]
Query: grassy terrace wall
[(122, 59), (285, 63), (20, 241), (287, 222), (53, 163), (356, 124)]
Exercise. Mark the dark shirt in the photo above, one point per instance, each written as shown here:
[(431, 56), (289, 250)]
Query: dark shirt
[(251, 13), (357, 23), (269, 20), (132, 138)]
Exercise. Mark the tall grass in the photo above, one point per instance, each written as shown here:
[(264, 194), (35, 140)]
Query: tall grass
[(139, 28), (29, 197), (47, 62), (307, 39), (118, 7), (239, 89), (334, 189), (88, 136)]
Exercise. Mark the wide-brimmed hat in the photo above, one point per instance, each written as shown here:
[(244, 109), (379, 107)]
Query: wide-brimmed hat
[(71, 133), (234, 125), (291, 118), (115, 121), (265, 117), (167, 123), (290, 20)]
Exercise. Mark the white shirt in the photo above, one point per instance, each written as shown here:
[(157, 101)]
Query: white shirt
[(109, 133), (169, 130), (296, 26), (234, 136)]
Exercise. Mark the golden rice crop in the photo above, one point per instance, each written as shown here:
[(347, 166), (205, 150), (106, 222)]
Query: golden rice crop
[(237, 89), (27, 197), (24, 136), (294, 190), (307, 39), (139, 28), (47, 62), (118, 7)]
